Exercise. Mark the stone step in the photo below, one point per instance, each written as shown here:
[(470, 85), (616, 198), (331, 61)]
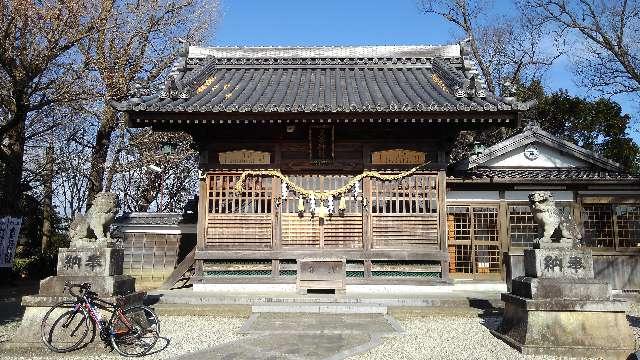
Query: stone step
[(325, 308), (182, 297)]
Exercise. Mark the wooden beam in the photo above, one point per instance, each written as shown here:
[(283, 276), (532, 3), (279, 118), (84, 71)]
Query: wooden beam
[(433, 255), (179, 271)]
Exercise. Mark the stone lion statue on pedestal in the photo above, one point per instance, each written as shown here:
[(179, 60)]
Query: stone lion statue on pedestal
[(552, 223), (100, 215)]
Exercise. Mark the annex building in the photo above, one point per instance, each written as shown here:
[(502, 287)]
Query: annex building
[(343, 152)]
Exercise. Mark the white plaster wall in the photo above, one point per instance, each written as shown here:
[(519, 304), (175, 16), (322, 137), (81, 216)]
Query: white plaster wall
[(472, 196), (524, 195), (548, 158)]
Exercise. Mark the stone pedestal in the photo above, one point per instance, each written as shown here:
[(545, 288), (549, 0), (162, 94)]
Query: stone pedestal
[(558, 308), (100, 266)]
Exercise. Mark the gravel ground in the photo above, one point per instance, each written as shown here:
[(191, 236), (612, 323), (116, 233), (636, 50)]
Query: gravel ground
[(438, 336), (185, 334), (444, 337), (7, 328), (463, 336)]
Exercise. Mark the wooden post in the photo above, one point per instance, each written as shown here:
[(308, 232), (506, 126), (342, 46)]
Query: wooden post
[(577, 210), (503, 234), (276, 223), (366, 226), (203, 199), (203, 214), (442, 223)]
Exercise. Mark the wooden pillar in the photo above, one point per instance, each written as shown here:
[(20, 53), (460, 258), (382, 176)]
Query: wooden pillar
[(503, 235), (442, 223), (577, 209), (203, 199), (276, 222), (366, 226)]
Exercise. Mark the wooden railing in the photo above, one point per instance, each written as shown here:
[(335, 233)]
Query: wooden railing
[(399, 215)]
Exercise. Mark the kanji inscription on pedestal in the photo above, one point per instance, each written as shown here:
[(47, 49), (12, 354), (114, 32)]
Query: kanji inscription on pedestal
[(559, 263), (89, 261)]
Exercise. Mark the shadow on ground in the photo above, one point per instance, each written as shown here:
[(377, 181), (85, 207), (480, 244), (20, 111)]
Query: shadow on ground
[(10, 297), (490, 314), (152, 299)]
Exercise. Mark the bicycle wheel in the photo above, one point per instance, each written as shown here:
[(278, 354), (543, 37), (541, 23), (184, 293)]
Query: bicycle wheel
[(134, 331), (64, 327)]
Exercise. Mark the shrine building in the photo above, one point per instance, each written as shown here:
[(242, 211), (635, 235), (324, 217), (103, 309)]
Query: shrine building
[(344, 152)]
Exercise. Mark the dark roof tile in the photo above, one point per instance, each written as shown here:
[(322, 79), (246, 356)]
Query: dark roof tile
[(332, 79), (545, 174)]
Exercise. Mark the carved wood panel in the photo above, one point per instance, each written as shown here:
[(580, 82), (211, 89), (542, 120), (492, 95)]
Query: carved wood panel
[(398, 157)]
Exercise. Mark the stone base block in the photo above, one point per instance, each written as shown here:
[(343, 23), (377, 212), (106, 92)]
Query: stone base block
[(28, 335), (567, 328), (103, 285), (574, 289), (558, 263)]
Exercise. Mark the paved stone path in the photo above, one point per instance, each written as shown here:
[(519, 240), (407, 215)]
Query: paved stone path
[(295, 336)]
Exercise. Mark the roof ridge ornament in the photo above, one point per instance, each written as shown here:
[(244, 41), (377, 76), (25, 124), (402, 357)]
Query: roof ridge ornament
[(470, 68)]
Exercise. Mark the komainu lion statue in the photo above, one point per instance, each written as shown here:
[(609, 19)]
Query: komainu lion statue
[(98, 218), (552, 223)]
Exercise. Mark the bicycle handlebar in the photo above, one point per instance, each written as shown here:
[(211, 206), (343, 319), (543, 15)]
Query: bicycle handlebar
[(85, 288)]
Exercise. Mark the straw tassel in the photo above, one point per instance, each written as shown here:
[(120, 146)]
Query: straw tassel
[(343, 203)]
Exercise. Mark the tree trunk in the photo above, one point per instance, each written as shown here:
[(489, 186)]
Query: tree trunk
[(47, 203), (100, 152), (13, 162)]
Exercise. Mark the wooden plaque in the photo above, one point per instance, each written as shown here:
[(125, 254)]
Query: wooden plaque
[(244, 157), (397, 156)]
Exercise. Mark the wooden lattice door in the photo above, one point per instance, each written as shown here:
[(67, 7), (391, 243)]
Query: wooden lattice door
[(340, 230), (474, 244)]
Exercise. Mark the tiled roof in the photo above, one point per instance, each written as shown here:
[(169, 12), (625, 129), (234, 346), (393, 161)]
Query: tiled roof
[(150, 219), (558, 174), (533, 134), (323, 79)]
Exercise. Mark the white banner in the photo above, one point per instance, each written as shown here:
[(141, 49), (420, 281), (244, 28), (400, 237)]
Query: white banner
[(9, 231)]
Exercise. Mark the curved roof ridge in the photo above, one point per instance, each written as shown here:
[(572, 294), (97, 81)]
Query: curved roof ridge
[(373, 51)]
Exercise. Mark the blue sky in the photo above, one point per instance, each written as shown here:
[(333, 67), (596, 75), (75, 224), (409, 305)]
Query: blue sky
[(358, 22)]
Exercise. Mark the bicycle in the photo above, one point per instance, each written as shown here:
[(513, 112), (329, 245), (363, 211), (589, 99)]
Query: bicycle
[(132, 331)]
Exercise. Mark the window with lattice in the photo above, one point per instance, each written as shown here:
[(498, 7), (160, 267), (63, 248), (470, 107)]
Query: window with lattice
[(417, 194), (522, 227), (523, 230), (254, 199), (611, 225), (597, 220), (628, 225)]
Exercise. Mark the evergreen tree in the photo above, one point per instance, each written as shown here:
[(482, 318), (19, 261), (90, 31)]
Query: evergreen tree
[(597, 125)]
